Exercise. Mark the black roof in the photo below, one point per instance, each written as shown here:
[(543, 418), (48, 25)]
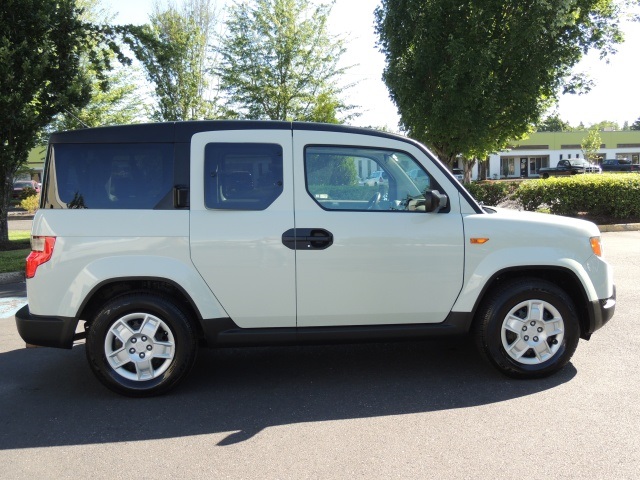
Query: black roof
[(181, 132)]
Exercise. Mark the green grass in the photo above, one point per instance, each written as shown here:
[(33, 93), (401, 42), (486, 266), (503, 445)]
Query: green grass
[(19, 235), (12, 259)]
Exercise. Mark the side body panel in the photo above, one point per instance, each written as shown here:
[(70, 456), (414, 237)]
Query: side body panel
[(384, 267), (94, 246), (239, 253)]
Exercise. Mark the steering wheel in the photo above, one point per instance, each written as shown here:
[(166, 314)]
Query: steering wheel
[(374, 201)]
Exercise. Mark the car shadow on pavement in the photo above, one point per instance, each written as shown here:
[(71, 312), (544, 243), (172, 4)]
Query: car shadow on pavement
[(49, 397)]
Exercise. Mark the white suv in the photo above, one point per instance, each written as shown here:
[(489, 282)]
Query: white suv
[(379, 177), (154, 240)]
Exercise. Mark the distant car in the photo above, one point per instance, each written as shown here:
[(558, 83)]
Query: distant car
[(569, 167), (419, 178), (379, 177), (458, 173), (19, 186), (619, 165)]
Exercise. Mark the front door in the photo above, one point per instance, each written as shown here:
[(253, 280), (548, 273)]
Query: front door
[(241, 203), (363, 257)]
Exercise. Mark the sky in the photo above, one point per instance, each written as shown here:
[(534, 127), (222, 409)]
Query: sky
[(615, 95)]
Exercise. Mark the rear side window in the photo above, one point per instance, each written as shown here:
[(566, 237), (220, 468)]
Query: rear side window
[(242, 176), (109, 176)]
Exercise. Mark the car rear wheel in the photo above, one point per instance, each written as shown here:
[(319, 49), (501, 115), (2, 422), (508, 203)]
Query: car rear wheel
[(528, 328), (140, 345)]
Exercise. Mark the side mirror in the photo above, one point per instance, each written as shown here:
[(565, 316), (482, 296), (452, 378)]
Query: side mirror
[(433, 202)]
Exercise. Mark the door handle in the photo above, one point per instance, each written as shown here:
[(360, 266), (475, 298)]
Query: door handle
[(307, 239)]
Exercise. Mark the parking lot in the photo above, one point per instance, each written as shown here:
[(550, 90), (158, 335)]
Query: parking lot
[(406, 410)]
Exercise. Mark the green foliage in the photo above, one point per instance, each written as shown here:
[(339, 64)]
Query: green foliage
[(332, 170), (553, 123), (174, 51), (606, 125), (279, 62), (492, 193), (615, 196), (635, 125), (591, 144), (114, 95), (43, 45), (30, 203), (468, 77)]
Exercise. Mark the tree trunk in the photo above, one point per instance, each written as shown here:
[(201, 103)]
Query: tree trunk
[(6, 187)]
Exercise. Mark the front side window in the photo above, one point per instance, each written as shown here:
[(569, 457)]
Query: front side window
[(109, 176), (242, 176), (396, 178)]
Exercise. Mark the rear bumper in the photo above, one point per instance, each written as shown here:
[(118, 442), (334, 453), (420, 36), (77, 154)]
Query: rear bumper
[(600, 312), (55, 332)]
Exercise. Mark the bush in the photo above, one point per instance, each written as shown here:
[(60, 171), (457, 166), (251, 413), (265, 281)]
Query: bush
[(616, 196), (31, 203), (27, 192), (491, 192)]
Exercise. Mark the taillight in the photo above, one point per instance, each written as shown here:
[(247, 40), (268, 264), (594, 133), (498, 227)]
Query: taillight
[(41, 251)]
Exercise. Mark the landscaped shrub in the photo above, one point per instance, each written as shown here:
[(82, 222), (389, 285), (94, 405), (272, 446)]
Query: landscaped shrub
[(30, 204), (491, 192), (616, 196)]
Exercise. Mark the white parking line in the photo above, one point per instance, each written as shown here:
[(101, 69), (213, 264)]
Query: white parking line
[(9, 306)]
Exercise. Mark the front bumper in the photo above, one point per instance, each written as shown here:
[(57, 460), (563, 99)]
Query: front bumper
[(58, 332), (600, 312)]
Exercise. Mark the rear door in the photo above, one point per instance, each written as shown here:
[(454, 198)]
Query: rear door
[(241, 203), (368, 258)]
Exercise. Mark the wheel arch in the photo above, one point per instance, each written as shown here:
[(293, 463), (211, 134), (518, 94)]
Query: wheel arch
[(116, 287), (563, 278)]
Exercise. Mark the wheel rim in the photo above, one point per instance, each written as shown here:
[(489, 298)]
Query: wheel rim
[(139, 347), (532, 332)]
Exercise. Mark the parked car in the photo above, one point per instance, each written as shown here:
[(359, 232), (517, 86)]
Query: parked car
[(458, 173), (243, 234), (619, 165), (19, 186), (379, 177), (569, 167)]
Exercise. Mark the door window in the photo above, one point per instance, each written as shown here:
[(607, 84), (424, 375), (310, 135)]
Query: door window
[(331, 175), (242, 176)]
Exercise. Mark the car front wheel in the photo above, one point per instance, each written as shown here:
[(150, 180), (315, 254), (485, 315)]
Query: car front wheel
[(528, 328), (140, 345)]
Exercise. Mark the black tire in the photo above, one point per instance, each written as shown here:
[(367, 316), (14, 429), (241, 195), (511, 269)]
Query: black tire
[(545, 176), (149, 340), (524, 346)]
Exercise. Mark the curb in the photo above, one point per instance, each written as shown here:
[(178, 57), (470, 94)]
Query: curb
[(11, 277), (622, 227)]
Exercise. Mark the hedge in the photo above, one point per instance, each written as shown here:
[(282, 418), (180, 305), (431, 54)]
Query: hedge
[(492, 192), (616, 196)]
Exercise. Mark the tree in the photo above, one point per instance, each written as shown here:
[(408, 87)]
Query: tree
[(553, 123), (114, 99), (116, 104), (635, 125), (468, 77), (591, 145), (606, 125), (41, 46), (174, 51), (278, 62)]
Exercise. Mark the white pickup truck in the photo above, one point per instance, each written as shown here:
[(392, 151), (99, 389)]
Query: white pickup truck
[(154, 240)]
